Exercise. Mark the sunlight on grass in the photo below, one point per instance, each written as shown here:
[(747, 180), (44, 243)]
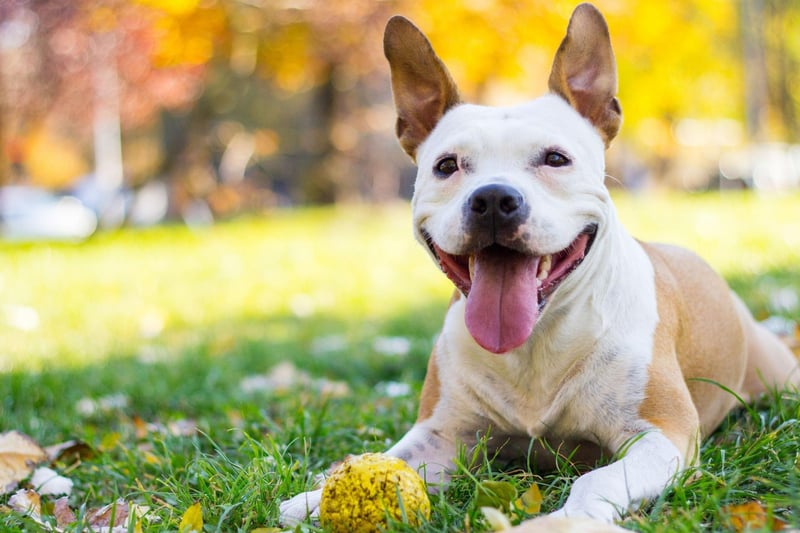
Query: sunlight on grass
[(75, 304), (737, 233), (102, 297)]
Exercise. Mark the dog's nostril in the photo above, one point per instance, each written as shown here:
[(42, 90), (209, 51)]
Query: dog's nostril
[(479, 205), (510, 203)]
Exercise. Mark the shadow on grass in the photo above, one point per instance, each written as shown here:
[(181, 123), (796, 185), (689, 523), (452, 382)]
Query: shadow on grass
[(198, 374)]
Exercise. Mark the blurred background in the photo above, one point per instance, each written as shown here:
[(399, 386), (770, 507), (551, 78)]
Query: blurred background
[(135, 111)]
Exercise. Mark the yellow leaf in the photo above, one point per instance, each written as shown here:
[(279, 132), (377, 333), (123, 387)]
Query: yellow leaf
[(151, 459), (192, 520), (497, 494), (110, 441), (530, 502), (19, 454), (751, 516)]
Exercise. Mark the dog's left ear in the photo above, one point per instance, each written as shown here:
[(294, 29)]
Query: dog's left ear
[(422, 87), (584, 71)]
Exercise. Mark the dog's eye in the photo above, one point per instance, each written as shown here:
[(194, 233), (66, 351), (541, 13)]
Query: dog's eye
[(556, 159), (446, 166)]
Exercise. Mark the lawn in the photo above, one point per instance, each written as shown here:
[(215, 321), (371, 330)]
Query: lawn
[(226, 365)]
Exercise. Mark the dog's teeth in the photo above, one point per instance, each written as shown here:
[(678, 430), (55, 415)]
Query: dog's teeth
[(544, 267)]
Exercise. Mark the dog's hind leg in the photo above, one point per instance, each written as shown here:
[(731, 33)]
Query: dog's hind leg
[(770, 363)]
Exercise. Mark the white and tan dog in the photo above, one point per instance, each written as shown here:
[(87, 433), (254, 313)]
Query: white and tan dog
[(563, 327)]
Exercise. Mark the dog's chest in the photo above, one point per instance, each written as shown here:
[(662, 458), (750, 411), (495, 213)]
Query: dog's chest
[(565, 385)]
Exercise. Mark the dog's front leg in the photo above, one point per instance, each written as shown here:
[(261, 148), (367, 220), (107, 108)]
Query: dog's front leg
[(428, 452), (648, 466)]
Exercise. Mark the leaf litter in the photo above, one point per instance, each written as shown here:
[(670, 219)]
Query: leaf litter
[(22, 458)]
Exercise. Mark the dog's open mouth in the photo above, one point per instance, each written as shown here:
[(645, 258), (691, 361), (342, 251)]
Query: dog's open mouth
[(506, 289)]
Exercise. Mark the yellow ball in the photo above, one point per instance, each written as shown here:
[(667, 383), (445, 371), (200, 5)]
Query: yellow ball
[(365, 489)]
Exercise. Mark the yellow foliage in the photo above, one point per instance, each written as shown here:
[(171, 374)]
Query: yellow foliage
[(172, 7), (186, 32), (192, 520), (675, 59), (53, 161)]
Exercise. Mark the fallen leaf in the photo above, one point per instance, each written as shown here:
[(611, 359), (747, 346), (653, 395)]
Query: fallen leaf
[(285, 377), (392, 346), (63, 513), (111, 515), (70, 450), (110, 441), (104, 404), (752, 516), (19, 455), (27, 502), (497, 520), (142, 512), (192, 520), (140, 427), (530, 501), (393, 389), (497, 494), (182, 427), (47, 482)]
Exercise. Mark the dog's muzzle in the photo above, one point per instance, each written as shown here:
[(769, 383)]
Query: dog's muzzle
[(506, 285)]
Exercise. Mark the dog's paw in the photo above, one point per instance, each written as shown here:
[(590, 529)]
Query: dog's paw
[(301, 507)]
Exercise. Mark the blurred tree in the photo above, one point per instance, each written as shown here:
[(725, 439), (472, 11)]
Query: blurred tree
[(57, 73), (293, 94), (675, 59), (781, 50)]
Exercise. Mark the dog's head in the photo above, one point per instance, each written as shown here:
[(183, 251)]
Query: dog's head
[(508, 199)]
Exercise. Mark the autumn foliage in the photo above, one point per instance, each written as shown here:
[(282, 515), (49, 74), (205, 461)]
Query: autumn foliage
[(302, 86)]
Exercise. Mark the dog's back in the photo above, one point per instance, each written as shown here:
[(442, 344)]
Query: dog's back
[(717, 342)]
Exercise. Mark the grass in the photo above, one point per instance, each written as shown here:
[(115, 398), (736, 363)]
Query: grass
[(112, 340)]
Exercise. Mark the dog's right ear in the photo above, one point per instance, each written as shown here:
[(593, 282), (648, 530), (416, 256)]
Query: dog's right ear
[(422, 87)]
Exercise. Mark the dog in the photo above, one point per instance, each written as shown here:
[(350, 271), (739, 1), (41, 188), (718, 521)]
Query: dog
[(563, 328)]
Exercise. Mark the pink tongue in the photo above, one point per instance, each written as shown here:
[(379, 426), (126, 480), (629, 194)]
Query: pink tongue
[(503, 303)]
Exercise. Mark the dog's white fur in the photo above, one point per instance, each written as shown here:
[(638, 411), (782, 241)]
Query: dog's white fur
[(611, 358)]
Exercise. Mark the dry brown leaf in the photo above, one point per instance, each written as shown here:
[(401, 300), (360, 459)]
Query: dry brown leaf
[(71, 450), (63, 513), (183, 427), (111, 515), (27, 502), (751, 516), (19, 455)]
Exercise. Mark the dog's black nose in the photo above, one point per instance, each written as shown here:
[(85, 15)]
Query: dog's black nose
[(498, 201), (493, 214)]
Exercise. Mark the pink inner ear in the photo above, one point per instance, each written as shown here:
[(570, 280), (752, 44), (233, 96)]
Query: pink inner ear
[(584, 80)]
